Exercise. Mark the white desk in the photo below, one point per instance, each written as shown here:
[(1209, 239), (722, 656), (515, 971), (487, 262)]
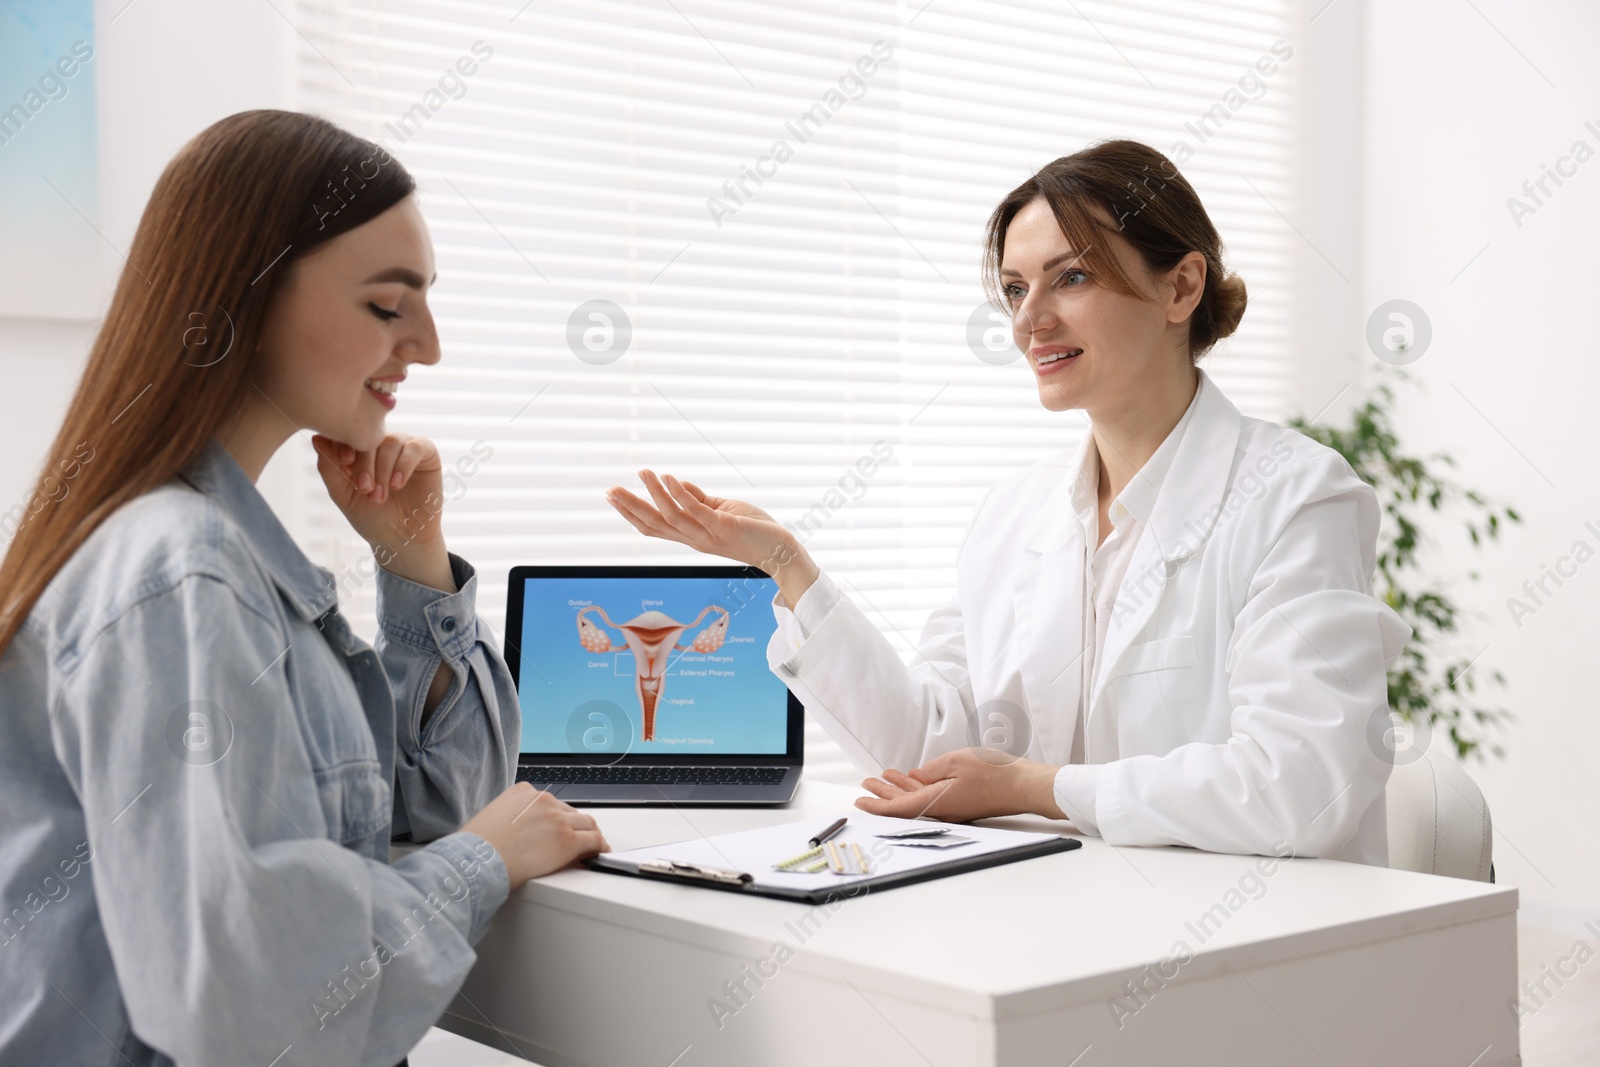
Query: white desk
[(1319, 963)]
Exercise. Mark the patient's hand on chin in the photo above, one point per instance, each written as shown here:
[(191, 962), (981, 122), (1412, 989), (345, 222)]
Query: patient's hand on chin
[(394, 486), (971, 783)]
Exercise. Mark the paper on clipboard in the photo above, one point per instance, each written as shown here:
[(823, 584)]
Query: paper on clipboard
[(755, 851)]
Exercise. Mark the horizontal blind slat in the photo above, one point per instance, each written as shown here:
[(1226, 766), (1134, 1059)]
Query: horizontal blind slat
[(828, 310)]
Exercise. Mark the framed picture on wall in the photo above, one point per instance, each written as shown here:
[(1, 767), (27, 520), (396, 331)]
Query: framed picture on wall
[(53, 261)]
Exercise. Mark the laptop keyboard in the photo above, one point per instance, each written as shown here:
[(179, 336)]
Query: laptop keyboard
[(651, 775)]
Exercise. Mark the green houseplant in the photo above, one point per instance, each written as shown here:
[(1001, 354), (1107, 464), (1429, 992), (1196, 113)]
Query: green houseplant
[(1430, 680)]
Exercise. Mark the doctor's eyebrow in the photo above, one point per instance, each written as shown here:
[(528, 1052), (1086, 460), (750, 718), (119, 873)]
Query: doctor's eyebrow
[(405, 275), (1051, 262)]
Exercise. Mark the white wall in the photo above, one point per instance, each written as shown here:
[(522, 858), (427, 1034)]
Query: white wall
[(40, 361), (1459, 113), (165, 70), (1330, 48)]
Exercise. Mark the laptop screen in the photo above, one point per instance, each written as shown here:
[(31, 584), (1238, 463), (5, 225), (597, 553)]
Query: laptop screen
[(642, 661)]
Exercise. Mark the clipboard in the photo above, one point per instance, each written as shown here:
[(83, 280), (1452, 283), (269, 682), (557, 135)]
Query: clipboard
[(744, 862)]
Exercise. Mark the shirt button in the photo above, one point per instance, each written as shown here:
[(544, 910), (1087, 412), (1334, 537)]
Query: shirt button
[(449, 623)]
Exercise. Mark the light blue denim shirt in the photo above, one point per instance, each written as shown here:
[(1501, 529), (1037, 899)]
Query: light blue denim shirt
[(201, 768)]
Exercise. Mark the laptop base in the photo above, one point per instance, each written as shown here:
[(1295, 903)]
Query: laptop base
[(742, 794)]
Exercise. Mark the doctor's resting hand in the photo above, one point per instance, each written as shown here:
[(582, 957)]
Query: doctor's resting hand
[(968, 784), (685, 513)]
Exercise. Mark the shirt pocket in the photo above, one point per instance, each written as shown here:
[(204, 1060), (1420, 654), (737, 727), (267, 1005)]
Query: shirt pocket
[(1159, 655), (355, 800), (1152, 715)]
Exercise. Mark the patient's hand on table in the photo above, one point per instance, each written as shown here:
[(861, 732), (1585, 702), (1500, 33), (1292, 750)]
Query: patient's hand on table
[(535, 833), (972, 783)]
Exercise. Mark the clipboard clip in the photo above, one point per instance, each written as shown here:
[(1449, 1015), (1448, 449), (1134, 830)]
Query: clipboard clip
[(696, 872)]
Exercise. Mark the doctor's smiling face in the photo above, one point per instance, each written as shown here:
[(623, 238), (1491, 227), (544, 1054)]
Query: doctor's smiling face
[(1090, 345)]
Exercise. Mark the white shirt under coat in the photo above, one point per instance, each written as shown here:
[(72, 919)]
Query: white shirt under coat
[(1235, 675)]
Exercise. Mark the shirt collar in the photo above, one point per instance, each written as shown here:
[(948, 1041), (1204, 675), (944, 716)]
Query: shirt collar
[(1138, 497), (308, 588)]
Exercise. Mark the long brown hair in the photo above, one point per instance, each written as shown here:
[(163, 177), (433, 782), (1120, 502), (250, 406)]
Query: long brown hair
[(173, 361), (1150, 204)]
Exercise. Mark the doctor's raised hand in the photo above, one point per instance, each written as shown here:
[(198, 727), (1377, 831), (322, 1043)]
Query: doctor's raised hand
[(718, 526)]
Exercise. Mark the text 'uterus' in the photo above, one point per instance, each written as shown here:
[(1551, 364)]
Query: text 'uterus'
[(651, 637)]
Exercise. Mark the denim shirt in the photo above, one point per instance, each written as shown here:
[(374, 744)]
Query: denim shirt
[(201, 769)]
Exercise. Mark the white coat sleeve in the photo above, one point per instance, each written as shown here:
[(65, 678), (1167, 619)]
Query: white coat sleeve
[(880, 710), (1307, 663), (1075, 791)]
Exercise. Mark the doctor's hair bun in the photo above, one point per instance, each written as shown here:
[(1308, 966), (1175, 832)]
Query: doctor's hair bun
[(1219, 311), (1125, 189)]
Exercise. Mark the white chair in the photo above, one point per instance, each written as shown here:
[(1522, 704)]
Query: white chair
[(1438, 820)]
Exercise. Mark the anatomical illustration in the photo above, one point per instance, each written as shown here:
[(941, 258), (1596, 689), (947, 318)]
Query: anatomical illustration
[(651, 637)]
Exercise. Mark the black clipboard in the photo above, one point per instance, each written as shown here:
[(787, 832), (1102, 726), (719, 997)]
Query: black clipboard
[(855, 887)]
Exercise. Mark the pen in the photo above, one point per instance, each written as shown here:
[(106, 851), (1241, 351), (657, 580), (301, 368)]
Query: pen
[(829, 832)]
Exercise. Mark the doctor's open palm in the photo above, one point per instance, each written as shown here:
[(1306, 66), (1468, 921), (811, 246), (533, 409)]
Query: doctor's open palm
[(717, 526)]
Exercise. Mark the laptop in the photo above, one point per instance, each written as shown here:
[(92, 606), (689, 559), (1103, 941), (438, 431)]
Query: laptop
[(650, 685)]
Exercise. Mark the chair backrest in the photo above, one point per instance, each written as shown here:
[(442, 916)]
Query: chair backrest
[(1438, 819)]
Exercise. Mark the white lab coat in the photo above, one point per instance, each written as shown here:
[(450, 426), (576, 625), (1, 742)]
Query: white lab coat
[(1240, 700)]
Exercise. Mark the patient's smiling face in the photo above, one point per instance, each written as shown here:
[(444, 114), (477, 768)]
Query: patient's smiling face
[(1089, 346), (350, 311)]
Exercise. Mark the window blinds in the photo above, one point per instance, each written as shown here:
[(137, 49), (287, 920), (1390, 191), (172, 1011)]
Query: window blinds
[(739, 241)]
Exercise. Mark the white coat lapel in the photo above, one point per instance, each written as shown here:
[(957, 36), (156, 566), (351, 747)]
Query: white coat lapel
[(1048, 594), (1186, 510)]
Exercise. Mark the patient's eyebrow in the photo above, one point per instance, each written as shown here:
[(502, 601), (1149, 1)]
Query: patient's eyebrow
[(404, 275), (1049, 263)]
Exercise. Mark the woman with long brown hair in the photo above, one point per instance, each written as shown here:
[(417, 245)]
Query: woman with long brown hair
[(201, 767)]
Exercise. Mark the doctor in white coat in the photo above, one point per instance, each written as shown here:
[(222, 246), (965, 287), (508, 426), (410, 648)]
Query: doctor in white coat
[(1167, 633)]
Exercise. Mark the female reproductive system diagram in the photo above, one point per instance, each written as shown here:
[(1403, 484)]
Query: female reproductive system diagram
[(651, 637)]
